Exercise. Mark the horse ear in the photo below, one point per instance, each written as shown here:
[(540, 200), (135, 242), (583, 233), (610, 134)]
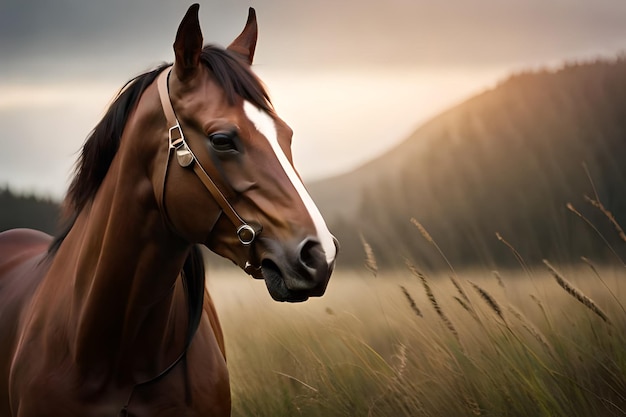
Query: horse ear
[(245, 44), (188, 43)]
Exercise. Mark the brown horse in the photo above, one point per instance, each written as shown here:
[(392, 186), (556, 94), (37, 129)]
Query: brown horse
[(112, 316)]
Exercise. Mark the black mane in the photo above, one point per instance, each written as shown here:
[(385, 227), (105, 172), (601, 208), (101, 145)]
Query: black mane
[(229, 71)]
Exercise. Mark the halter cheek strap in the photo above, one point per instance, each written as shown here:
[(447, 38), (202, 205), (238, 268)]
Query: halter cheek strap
[(186, 158)]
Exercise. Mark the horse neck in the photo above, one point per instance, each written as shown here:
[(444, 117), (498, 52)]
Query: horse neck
[(126, 262)]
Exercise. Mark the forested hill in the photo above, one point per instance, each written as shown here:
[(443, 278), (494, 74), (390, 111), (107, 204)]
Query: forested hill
[(506, 161), (27, 211)]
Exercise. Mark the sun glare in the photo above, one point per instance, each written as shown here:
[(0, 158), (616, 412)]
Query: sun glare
[(343, 118)]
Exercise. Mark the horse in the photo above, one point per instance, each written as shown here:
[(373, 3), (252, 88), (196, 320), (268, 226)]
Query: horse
[(112, 317)]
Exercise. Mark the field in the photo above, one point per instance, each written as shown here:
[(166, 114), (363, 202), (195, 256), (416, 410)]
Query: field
[(529, 342)]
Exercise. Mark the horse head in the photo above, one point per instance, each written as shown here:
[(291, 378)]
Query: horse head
[(226, 177)]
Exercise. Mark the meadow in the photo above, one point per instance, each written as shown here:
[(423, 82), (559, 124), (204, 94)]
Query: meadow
[(547, 340)]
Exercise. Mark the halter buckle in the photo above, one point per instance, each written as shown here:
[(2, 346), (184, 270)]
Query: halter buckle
[(177, 142), (176, 135), (246, 234)]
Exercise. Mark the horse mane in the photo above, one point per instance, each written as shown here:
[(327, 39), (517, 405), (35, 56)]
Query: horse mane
[(98, 152), (230, 72)]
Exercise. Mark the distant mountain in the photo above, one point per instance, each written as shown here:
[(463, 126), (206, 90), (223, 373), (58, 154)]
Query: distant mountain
[(28, 211), (507, 160)]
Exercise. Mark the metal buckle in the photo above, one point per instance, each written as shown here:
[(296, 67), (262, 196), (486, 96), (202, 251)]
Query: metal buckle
[(183, 153), (246, 234), (175, 140)]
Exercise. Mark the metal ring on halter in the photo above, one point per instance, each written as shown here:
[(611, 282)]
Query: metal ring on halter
[(246, 234)]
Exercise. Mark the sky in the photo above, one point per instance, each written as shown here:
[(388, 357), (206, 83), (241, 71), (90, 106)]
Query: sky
[(353, 78)]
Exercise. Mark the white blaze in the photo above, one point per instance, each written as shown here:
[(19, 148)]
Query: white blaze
[(266, 126)]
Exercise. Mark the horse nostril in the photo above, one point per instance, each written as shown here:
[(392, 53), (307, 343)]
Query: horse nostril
[(311, 254)]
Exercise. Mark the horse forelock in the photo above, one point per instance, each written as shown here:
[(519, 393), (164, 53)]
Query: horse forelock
[(235, 77)]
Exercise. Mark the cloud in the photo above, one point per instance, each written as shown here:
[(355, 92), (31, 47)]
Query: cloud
[(48, 38), (295, 34)]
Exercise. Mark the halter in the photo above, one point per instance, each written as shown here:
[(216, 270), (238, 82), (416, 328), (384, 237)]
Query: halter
[(246, 232)]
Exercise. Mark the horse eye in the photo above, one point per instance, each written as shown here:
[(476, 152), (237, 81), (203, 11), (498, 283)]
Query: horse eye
[(223, 141)]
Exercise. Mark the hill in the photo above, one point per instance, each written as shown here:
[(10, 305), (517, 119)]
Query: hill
[(507, 160)]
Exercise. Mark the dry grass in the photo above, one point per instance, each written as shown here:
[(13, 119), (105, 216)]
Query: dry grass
[(361, 350), (370, 259), (411, 301), (576, 293), (433, 300)]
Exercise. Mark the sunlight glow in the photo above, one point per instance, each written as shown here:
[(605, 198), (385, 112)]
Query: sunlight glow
[(341, 119)]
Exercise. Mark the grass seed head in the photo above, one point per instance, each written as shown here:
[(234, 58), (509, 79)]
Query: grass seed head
[(370, 259), (411, 301), (576, 293), (489, 300)]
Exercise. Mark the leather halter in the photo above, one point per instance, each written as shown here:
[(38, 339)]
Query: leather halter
[(246, 232)]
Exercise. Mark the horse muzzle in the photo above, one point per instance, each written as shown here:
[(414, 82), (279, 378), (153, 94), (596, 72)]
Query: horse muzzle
[(295, 272)]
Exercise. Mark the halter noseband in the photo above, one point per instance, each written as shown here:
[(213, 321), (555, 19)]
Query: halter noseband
[(245, 232)]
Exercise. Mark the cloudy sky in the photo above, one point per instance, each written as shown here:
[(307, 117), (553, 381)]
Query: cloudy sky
[(352, 77)]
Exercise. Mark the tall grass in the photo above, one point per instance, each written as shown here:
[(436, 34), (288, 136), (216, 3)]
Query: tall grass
[(362, 351), (525, 342)]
